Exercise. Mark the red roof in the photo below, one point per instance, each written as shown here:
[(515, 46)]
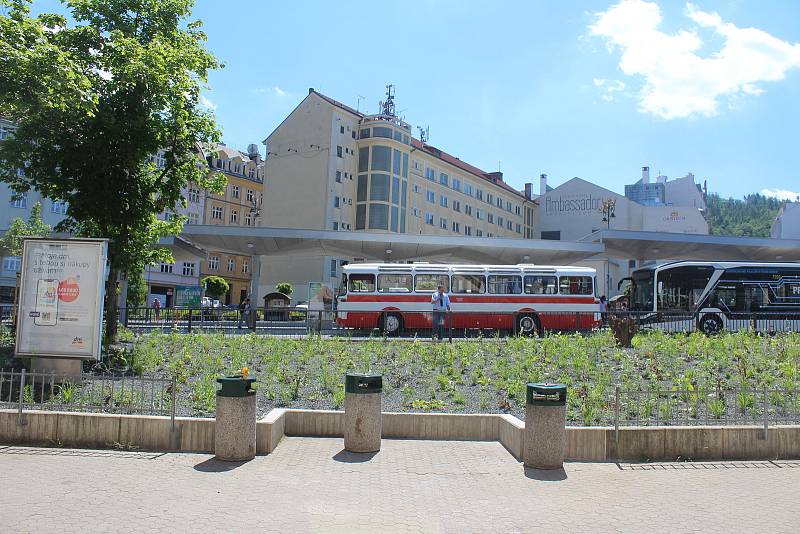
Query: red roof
[(433, 151)]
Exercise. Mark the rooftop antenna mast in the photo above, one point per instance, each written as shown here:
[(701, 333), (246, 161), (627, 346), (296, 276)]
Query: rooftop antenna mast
[(359, 98), (387, 106), (424, 134)]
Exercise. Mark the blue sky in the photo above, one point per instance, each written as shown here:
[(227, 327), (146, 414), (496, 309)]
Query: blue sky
[(592, 89)]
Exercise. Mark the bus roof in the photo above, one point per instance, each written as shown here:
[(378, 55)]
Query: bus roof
[(466, 268), (723, 264)]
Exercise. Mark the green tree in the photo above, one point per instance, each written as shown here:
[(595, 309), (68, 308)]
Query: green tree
[(751, 216), (137, 290), (216, 286), (18, 229), (285, 288), (93, 102)]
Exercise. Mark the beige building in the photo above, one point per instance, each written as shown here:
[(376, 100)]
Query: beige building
[(331, 167), (239, 205)]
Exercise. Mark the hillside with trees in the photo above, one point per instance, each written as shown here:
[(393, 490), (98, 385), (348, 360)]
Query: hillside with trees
[(748, 217)]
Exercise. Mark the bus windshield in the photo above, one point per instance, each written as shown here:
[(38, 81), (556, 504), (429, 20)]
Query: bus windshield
[(680, 288), (642, 290)]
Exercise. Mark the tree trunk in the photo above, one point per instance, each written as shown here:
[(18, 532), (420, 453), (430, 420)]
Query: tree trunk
[(111, 307)]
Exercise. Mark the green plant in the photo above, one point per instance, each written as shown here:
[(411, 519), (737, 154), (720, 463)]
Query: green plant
[(284, 287), (215, 286)]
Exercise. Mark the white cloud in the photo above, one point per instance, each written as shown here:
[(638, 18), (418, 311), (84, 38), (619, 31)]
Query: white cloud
[(678, 82), (206, 102), (610, 87), (781, 194), (274, 90)]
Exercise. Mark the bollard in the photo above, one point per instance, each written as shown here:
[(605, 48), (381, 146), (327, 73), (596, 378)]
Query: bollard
[(363, 393), (235, 427), (545, 426)]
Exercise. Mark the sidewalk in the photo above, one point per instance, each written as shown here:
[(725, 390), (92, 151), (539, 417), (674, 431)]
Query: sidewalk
[(311, 485)]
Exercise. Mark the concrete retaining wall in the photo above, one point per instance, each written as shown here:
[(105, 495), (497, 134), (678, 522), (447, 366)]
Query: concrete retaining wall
[(66, 429)]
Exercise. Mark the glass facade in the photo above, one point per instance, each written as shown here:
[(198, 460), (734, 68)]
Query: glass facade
[(382, 186)]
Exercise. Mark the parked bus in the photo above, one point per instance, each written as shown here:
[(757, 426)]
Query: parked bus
[(718, 295), (527, 299)]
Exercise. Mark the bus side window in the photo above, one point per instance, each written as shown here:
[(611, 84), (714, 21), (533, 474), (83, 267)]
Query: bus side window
[(362, 283)]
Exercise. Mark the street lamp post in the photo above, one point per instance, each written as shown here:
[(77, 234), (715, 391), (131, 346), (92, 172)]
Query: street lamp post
[(607, 209)]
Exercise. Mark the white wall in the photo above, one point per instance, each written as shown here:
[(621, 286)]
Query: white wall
[(787, 224)]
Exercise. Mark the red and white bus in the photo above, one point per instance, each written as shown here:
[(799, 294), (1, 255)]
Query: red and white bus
[(527, 299)]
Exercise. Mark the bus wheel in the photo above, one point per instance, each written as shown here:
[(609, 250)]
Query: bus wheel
[(710, 324), (528, 325), (392, 324)]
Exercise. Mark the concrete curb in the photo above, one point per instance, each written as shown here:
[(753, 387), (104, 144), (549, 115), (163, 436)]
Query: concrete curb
[(598, 444)]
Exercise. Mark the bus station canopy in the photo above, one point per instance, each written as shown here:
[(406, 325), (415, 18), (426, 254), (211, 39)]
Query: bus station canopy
[(387, 246), (666, 246)]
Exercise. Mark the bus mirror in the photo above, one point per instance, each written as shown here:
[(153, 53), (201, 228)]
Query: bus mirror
[(619, 284)]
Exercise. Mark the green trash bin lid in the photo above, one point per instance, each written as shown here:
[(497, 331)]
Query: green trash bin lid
[(235, 386), (546, 394), (363, 383)]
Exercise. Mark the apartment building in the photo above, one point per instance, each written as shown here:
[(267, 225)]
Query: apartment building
[(239, 205), (329, 166)]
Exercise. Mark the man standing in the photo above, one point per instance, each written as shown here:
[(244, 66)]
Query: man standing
[(441, 304)]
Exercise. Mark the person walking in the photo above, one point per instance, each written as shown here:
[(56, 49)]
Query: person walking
[(604, 309), (242, 305), (441, 304), (157, 308)]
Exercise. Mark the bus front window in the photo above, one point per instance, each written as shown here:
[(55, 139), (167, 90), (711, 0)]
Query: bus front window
[(343, 286), (641, 292), (680, 289)]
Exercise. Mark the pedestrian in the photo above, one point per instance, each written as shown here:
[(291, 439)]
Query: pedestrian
[(248, 314), (241, 312), (157, 308), (604, 309), (441, 305)]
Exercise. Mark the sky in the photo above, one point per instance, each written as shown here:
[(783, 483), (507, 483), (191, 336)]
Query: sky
[(595, 89)]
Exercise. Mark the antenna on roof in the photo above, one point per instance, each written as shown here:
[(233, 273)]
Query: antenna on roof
[(387, 106), (425, 134), (359, 98)]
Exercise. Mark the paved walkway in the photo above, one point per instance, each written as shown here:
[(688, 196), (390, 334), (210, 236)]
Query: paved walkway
[(310, 485)]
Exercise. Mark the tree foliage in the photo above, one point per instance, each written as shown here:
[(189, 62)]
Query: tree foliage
[(749, 217), (285, 288), (137, 290), (93, 102), (216, 286), (19, 229)]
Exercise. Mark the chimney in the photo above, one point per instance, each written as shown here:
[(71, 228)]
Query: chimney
[(542, 184), (495, 176), (529, 190), (645, 175)]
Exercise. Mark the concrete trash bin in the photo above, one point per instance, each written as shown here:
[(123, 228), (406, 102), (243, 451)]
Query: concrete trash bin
[(363, 422), (545, 426), (235, 426)]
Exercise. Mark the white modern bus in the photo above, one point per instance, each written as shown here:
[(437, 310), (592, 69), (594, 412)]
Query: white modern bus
[(718, 295), (527, 299)]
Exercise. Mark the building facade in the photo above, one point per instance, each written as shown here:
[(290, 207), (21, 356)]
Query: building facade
[(239, 205), (329, 166), (787, 222)]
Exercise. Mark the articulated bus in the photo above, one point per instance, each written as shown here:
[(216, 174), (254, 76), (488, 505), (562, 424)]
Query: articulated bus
[(527, 299), (718, 295)]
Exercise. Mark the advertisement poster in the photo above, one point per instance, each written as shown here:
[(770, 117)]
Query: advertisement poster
[(187, 296), (320, 296), (61, 297)]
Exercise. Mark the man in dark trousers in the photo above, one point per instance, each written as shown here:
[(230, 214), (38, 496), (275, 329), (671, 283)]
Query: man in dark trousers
[(441, 304)]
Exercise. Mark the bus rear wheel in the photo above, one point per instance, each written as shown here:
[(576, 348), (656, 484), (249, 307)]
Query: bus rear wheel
[(528, 325), (391, 324), (710, 324)]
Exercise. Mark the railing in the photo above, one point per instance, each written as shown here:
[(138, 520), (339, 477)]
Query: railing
[(89, 392), (299, 322), (686, 407)]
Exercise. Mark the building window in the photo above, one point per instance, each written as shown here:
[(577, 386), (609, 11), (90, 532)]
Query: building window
[(19, 200), (339, 151), (554, 235), (59, 206), (478, 233), (341, 129), (508, 206), (336, 202), (468, 189), (489, 198), (444, 179), (335, 225), (509, 225), (4, 132), (353, 134), (499, 221), (456, 227), (167, 268), (213, 263), (519, 228), (443, 201), (456, 205), (479, 214), (431, 197), (339, 176), (518, 210), (429, 218), (234, 216), (188, 268), (467, 209), (333, 267), (490, 218), (234, 191), (631, 264), (194, 195), (479, 194), (217, 213), (251, 195), (248, 219), (192, 218), (231, 265), (430, 174), (443, 223), (11, 263), (467, 230), (245, 266), (456, 184)]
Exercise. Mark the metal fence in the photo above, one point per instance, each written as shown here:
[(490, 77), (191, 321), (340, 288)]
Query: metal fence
[(90, 392), (300, 322), (687, 407)]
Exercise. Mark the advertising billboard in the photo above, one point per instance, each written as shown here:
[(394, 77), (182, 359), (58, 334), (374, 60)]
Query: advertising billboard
[(188, 296), (61, 298)]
